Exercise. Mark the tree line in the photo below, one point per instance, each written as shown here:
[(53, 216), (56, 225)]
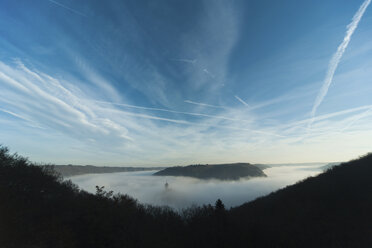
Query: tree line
[(38, 208)]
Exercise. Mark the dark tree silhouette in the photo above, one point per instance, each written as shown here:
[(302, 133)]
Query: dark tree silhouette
[(39, 209), (219, 205)]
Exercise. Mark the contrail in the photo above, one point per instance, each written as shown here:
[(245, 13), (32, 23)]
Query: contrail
[(357, 118), (184, 122), (240, 100), (30, 122), (326, 116), (68, 8), (205, 105), (15, 115), (172, 111), (209, 73), (191, 61), (335, 60)]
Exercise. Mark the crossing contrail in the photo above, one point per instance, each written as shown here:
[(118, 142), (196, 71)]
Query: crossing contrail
[(241, 100), (204, 104), (68, 8), (173, 111)]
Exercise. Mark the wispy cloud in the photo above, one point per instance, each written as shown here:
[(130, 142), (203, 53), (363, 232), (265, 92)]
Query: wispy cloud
[(143, 137), (337, 57), (97, 79), (211, 42), (51, 103), (45, 100), (67, 8)]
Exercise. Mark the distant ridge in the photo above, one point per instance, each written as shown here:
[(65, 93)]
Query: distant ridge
[(215, 171), (75, 170)]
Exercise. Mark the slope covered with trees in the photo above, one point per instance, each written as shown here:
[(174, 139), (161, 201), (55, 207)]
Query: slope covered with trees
[(39, 209), (333, 209), (214, 171)]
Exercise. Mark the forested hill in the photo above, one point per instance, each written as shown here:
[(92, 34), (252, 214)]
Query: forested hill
[(333, 209), (215, 171), (74, 170), (39, 209)]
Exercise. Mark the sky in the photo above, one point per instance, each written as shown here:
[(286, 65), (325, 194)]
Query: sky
[(142, 83)]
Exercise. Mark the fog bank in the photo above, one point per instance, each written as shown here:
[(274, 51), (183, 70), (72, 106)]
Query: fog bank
[(183, 191)]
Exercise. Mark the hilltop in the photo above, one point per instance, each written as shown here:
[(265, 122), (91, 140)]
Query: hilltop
[(214, 171)]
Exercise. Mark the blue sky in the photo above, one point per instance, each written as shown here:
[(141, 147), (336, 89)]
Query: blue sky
[(179, 82)]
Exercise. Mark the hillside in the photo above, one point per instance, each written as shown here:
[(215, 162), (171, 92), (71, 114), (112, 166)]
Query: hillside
[(39, 209), (214, 171), (74, 170), (332, 209), (330, 165)]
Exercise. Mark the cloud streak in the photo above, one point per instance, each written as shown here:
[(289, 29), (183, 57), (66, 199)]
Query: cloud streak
[(49, 103), (62, 107), (142, 137), (335, 60)]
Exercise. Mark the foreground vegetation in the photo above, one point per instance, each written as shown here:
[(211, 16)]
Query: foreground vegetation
[(39, 209), (214, 171)]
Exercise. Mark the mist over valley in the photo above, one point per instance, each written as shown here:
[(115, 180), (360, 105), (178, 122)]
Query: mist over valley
[(183, 192)]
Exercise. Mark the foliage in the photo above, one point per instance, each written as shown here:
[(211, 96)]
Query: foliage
[(39, 209)]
